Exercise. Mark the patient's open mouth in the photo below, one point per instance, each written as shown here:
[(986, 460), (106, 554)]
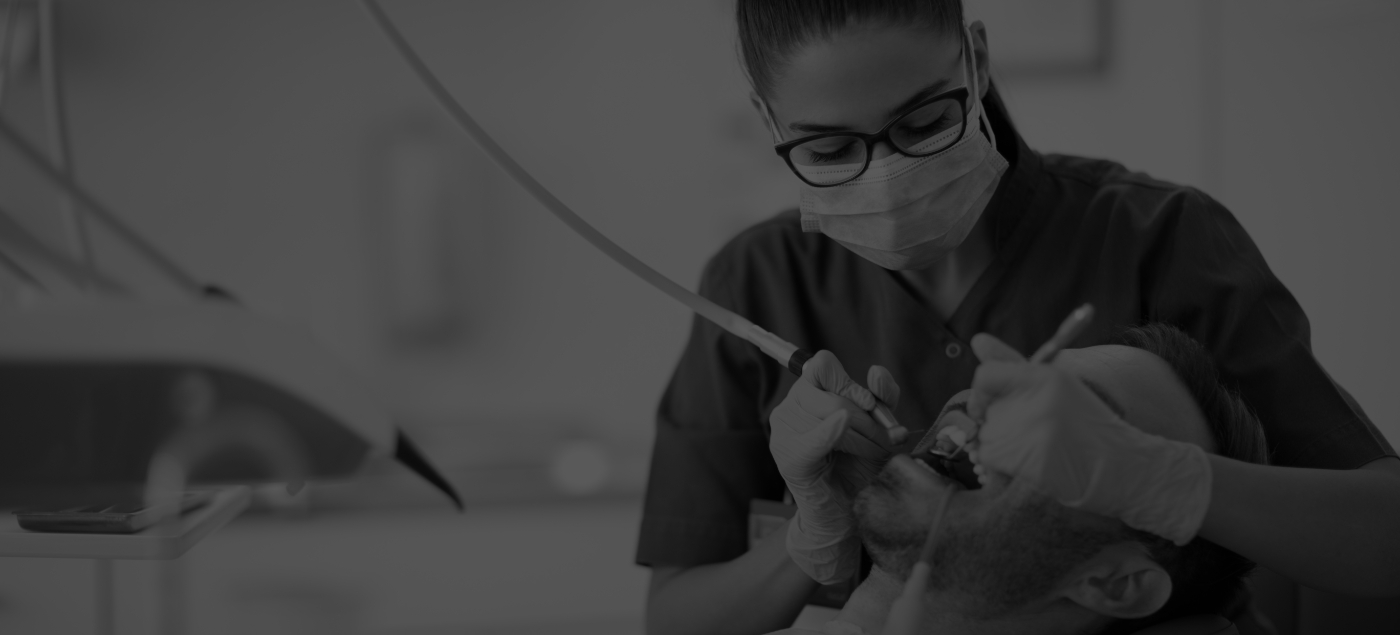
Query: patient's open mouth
[(933, 473), (956, 469), (938, 435)]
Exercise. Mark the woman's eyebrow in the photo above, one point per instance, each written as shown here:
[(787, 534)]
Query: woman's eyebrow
[(928, 91), (925, 93)]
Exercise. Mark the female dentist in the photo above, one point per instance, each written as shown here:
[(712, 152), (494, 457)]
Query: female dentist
[(925, 219)]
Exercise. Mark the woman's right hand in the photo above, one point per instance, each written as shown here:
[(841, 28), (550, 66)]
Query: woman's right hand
[(824, 388), (827, 448)]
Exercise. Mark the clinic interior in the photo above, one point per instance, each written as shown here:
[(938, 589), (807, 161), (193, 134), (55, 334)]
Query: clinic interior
[(282, 150)]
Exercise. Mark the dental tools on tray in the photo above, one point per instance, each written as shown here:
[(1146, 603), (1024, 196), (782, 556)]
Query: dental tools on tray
[(785, 353)]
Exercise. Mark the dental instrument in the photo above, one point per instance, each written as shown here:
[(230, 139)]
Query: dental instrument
[(1073, 325), (789, 355), (956, 464)]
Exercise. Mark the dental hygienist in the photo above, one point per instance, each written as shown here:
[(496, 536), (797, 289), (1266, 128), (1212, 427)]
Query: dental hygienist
[(923, 220)]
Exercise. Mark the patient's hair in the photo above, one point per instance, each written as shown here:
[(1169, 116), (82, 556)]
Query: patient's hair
[(1206, 578)]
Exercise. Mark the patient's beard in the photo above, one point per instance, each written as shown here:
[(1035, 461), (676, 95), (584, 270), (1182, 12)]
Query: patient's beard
[(986, 567)]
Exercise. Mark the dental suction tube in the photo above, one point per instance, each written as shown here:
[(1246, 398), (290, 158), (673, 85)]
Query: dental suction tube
[(785, 353), (719, 315)]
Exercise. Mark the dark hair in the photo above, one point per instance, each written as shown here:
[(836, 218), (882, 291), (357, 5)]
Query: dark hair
[(770, 31), (1206, 578)]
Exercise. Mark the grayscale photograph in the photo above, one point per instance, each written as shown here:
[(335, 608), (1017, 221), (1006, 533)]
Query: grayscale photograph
[(699, 317)]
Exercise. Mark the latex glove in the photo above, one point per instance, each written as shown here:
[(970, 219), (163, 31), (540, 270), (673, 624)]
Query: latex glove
[(824, 389), (814, 440), (1042, 423), (959, 429)]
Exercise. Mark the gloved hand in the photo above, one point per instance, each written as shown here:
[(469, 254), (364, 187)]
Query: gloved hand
[(825, 460), (1043, 424)]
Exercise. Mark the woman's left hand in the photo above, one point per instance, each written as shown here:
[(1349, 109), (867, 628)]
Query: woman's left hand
[(1042, 424)]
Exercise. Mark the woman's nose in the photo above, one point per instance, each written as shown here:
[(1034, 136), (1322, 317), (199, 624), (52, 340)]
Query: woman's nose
[(883, 149)]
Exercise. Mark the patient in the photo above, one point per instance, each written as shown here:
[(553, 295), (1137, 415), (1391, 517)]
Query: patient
[(1011, 560)]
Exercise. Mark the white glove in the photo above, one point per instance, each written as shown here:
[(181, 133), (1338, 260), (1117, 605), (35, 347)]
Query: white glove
[(811, 439), (1043, 424)]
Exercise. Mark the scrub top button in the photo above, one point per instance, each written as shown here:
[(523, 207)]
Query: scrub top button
[(953, 350)]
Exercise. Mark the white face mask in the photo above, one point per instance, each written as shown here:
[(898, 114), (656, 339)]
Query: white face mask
[(910, 212)]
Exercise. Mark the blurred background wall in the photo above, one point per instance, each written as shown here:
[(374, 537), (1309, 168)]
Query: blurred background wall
[(281, 150)]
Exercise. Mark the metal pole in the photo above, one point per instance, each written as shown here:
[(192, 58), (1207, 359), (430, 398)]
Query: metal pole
[(7, 43), (106, 588), (172, 597)]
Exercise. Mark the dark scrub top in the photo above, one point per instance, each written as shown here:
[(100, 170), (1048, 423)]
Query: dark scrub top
[(1067, 231)]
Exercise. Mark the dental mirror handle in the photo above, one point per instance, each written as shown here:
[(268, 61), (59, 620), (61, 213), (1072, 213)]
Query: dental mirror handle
[(908, 609), (907, 612), (1071, 328)]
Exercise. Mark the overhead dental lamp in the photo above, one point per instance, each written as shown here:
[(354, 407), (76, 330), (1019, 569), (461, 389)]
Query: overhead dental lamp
[(96, 382)]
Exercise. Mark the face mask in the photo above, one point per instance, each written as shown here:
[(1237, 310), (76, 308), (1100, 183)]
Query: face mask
[(910, 212)]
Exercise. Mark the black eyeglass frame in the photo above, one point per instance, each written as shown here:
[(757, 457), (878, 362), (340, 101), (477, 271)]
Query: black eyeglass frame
[(784, 149)]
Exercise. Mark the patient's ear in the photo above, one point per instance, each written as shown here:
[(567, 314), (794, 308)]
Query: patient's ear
[(1120, 581)]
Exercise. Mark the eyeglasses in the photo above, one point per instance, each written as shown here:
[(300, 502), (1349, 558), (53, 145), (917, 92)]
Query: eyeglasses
[(833, 158)]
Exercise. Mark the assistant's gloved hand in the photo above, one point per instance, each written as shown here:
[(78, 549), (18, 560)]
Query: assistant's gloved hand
[(825, 459), (1043, 424)]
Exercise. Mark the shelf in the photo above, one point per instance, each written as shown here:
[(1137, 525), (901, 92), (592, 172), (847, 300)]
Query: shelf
[(155, 543)]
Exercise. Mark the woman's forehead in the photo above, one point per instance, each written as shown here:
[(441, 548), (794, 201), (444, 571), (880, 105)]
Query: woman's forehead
[(858, 76)]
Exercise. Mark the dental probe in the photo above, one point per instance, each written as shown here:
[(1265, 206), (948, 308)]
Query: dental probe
[(1073, 325), (786, 354), (907, 609), (1069, 329)]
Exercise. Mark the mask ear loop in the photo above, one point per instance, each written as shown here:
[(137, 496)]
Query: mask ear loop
[(772, 121), (976, 87), (768, 117)]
